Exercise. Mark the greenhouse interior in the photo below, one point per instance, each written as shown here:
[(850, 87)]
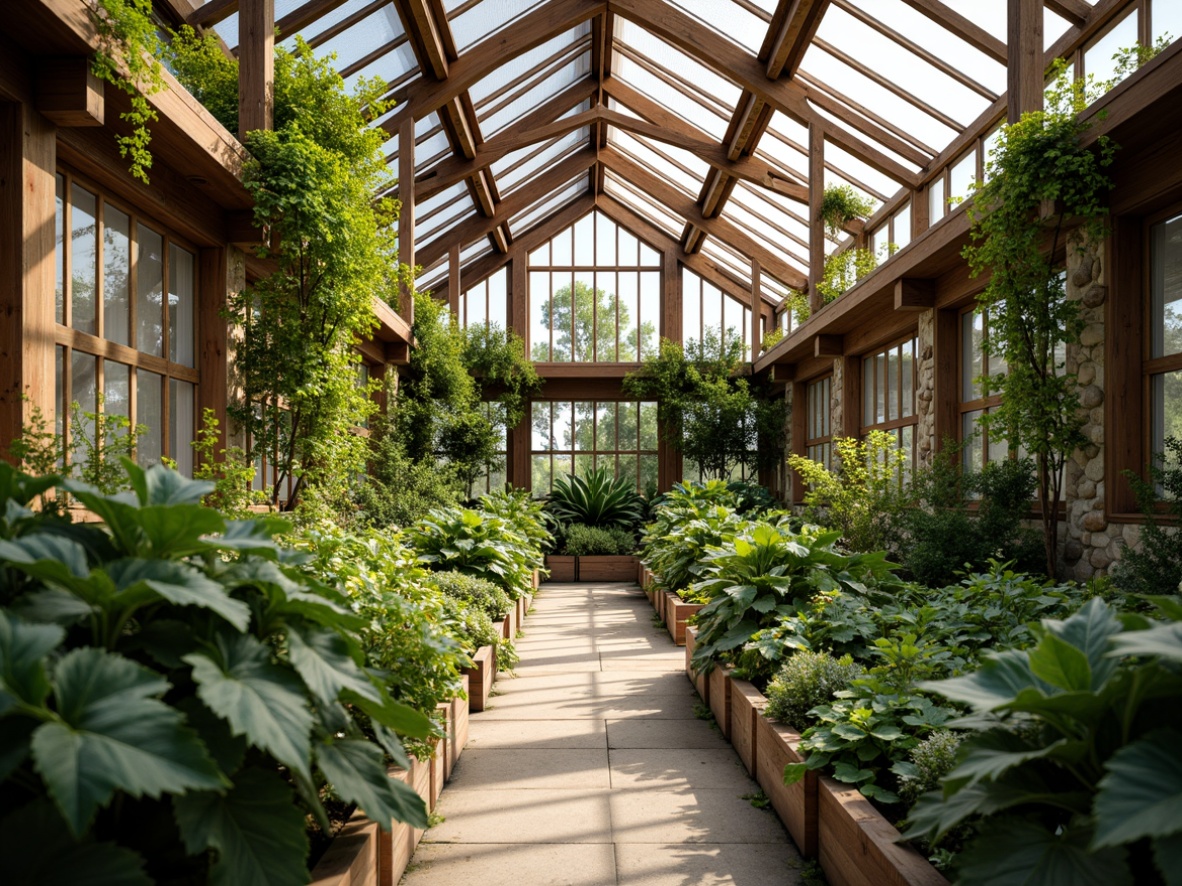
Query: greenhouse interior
[(591, 442)]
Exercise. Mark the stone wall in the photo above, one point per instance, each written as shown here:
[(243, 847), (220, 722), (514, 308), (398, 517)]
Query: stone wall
[(925, 389), (836, 406)]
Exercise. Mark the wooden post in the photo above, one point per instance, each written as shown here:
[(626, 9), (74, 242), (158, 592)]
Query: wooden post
[(946, 394), (406, 216), (1024, 67), (27, 249), (851, 397), (221, 272), (256, 65), (453, 283), (816, 225), (756, 314), (671, 301)]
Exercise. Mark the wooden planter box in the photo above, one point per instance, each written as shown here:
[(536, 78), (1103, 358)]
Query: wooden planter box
[(621, 567), (458, 737), (857, 845), (676, 613), (352, 858), (747, 704), (438, 770), (480, 677), (776, 745), (535, 579), (396, 847), (701, 683), (507, 626), (420, 780), (720, 697)]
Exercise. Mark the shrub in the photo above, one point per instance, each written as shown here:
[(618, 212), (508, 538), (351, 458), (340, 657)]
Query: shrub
[(584, 541), (478, 592), (399, 490), (808, 679), (596, 499), (168, 667), (1156, 565), (477, 544), (931, 760), (471, 625)]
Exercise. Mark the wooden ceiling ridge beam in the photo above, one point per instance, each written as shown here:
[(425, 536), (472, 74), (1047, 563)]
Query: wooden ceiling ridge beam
[(424, 31), (965, 29), (797, 29), (517, 202), (663, 192), (534, 28)]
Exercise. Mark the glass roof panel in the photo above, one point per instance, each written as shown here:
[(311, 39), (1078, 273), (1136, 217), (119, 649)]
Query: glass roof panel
[(517, 168), (546, 206), (841, 124), (359, 40), (742, 25), (844, 80), (779, 228), (550, 81), (395, 67), (643, 205), (736, 265), (441, 210), (865, 177), (520, 66), (431, 144), (710, 121), (476, 21), (677, 166)]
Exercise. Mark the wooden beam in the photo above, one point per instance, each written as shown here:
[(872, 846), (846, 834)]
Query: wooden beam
[(68, 92), (241, 230), (1024, 72), (826, 345), (914, 294), (406, 218), (221, 273), (454, 286), (425, 37), (517, 202), (756, 314), (303, 15), (816, 224), (796, 32), (213, 12), (665, 193), (256, 66), (547, 21), (966, 30), (1075, 11)]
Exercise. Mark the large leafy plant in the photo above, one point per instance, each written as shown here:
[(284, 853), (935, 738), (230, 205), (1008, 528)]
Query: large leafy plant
[(475, 543), (1073, 769), (174, 693), (596, 499)]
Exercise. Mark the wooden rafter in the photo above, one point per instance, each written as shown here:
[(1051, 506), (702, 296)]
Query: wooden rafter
[(419, 22), (966, 30), (1075, 11), (800, 21)]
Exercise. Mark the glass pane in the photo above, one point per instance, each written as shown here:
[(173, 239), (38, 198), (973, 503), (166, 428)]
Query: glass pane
[(149, 289), (868, 391), (1167, 408), (961, 177), (901, 235), (588, 303), (182, 332), (540, 256), (626, 466), (562, 426), (1166, 19), (605, 427), (605, 240), (628, 249), (648, 425), (541, 439), (584, 464), (498, 312), (629, 295), (881, 388), (648, 475), (149, 414), (83, 259), (691, 305), (476, 304), (629, 429), (998, 447), (116, 388), (59, 228), (936, 204), (650, 312), (908, 389), (610, 315), (181, 421), (584, 241), (561, 248), (116, 276), (539, 316), (585, 426), (973, 445), (540, 474), (1098, 58), (83, 390), (892, 384), (972, 327), (1165, 261), (59, 393)]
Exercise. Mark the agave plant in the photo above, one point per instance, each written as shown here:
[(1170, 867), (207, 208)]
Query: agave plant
[(596, 499)]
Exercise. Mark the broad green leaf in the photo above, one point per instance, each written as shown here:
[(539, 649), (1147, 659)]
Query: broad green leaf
[(178, 583), (1090, 630), (164, 486), (357, 772), (1060, 664), (52, 606), (321, 657), (394, 715), (258, 698), (1000, 678), (113, 735), (794, 772), (177, 530), (991, 754), (1167, 853), (36, 847), (255, 829), (1163, 641), (47, 557), (1017, 852), (21, 487), (23, 648), (936, 814), (227, 750), (1141, 796), (252, 536)]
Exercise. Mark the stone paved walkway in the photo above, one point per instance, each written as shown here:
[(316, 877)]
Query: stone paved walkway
[(590, 768)]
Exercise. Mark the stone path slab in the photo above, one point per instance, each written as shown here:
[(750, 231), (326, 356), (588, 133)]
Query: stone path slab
[(590, 767)]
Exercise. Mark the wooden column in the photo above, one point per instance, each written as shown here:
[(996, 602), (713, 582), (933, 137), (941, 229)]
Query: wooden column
[(221, 272), (851, 397), (519, 298), (27, 268), (920, 212), (670, 296), (453, 282), (406, 215), (946, 381), (256, 65), (1024, 67), (756, 314), (794, 491), (816, 225), (519, 462)]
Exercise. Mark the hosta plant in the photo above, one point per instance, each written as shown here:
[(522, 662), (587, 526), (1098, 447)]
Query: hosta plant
[(478, 544), (1072, 771), (596, 499), (175, 694)]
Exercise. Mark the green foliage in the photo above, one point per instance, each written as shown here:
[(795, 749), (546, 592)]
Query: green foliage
[(945, 534), (1078, 735), (228, 469), (1155, 565), (478, 544), (523, 513), (841, 271), (771, 339), (714, 417), (585, 541), (400, 490), (575, 318), (497, 358), (1039, 176), (507, 656), (127, 59), (863, 497), (158, 670), (98, 445), (840, 205), (930, 760), (596, 499), (474, 591), (207, 72), (808, 679)]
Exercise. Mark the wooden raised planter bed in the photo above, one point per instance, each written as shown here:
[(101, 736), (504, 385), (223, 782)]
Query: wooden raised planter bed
[(622, 567), (701, 683), (832, 822), (676, 612), (481, 677)]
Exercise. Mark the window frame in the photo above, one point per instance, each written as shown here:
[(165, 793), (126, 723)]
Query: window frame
[(595, 453), (894, 426), (814, 411)]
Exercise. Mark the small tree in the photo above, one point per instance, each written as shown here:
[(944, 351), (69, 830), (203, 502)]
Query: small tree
[(1039, 176)]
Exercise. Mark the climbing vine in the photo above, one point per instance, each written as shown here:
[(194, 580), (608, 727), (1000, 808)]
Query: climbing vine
[(129, 46), (1040, 176)]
